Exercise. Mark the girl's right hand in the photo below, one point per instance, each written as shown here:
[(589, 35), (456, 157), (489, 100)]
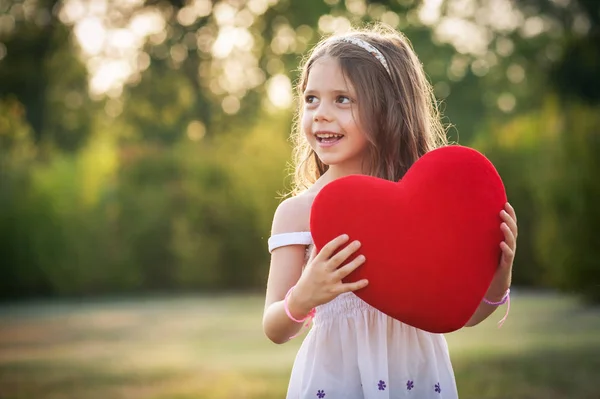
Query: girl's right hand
[(321, 280)]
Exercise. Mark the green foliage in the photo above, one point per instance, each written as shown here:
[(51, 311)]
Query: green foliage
[(40, 69), (142, 217), (568, 233), (172, 184), (548, 161), (17, 208)]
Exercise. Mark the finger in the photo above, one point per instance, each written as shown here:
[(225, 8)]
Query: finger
[(350, 267), (313, 253), (507, 254), (509, 237), (511, 219), (331, 246), (344, 254), (511, 211), (512, 224), (348, 287)]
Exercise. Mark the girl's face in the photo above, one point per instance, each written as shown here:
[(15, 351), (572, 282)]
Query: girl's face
[(330, 117)]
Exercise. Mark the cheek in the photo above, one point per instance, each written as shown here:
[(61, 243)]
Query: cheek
[(306, 122), (352, 125), (349, 120), (360, 136)]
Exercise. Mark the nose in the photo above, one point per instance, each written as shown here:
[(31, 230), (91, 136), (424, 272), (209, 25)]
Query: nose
[(323, 113)]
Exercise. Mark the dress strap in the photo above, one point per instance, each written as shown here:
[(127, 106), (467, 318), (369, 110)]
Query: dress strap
[(295, 238)]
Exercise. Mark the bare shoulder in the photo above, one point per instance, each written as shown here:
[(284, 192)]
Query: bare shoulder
[(293, 214)]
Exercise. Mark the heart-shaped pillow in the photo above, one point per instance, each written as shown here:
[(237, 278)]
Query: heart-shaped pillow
[(431, 240)]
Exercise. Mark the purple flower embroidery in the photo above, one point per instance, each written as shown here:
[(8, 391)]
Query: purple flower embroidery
[(437, 388), (381, 385), (320, 393), (410, 384)]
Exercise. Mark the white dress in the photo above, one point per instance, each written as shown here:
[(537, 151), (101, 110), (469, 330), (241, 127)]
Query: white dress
[(354, 351)]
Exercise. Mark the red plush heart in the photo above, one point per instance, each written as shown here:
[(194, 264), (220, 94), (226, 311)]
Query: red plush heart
[(431, 240)]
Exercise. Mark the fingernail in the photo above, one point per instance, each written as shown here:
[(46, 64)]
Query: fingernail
[(357, 243)]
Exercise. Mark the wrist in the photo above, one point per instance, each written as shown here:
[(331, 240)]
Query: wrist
[(297, 304), (496, 293), (496, 299)]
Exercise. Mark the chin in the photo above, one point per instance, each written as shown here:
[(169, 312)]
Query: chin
[(331, 161), (337, 160)]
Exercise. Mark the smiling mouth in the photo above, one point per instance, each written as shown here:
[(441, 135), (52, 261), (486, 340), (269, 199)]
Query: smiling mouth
[(328, 138)]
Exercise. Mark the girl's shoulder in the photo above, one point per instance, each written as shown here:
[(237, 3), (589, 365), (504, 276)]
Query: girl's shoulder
[(293, 214)]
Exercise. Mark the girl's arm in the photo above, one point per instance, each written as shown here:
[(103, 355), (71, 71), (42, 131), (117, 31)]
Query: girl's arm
[(320, 282), (285, 270), (484, 310), (503, 277)]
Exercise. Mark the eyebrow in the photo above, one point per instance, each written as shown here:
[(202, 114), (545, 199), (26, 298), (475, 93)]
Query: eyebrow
[(337, 92)]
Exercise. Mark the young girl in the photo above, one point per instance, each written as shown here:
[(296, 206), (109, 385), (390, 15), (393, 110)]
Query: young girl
[(367, 108)]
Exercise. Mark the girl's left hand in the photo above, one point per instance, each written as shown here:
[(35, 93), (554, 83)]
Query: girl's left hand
[(503, 277)]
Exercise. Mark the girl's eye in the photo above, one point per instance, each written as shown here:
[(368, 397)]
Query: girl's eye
[(309, 99), (344, 100)]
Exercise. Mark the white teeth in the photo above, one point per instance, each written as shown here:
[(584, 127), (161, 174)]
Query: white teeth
[(328, 135)]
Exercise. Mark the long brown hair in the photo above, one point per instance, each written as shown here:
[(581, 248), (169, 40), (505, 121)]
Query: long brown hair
[(398, 110)]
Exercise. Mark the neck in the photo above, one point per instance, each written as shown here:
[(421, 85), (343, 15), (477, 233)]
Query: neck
[(336, 171)]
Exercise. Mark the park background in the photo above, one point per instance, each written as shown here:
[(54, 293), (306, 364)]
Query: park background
[(144, 146)]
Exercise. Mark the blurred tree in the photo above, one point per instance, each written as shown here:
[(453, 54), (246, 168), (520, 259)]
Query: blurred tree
[(532, 48), (575, 71), (568, 239), (40, 70), (166, 176)]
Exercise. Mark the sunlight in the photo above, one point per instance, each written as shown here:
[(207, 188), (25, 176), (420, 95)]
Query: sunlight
[(515, 73), (259, 7), (190, 13), (225, 42), (533, 26), (230, 105), (72, 11), (91, 35), (467, 37), (123, 40), (284, 40), (506, 102), (234, 69), (107, 74), (224, 14), (469, 26), (502, 16), (429, 13), (196, 130), (112, 54), (330, 24), (147, 22), (279, 89), (357, 7)]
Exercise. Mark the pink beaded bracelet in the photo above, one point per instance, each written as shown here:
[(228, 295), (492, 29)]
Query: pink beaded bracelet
[(505, 299), (308, 317), (500, 302)]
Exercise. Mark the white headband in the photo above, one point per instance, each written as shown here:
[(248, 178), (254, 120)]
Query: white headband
[(370, 48)]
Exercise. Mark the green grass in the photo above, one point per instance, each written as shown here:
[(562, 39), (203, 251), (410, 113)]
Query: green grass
[(184, 348)]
